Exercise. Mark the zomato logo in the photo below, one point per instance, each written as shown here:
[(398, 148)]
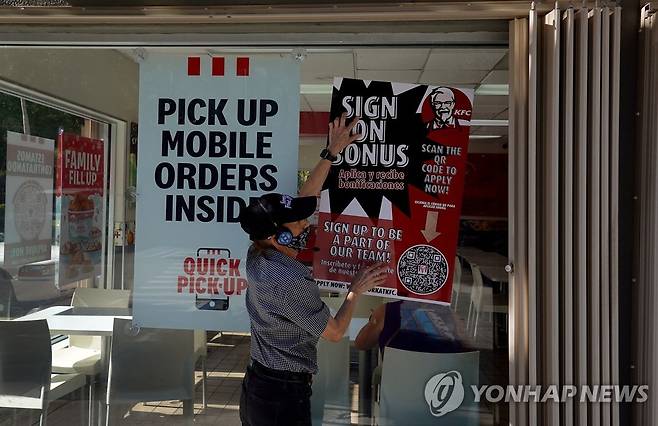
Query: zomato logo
[(444, 393), (211, 272)]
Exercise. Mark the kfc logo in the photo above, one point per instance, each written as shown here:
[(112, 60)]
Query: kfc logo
[(446, 108), (444, 393), (442, 100)]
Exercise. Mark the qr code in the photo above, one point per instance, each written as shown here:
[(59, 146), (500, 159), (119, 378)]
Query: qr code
[(422, 269)]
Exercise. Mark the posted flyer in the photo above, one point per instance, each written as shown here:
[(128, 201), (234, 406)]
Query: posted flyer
[(223, 134), (80, 169), (395, 195), (29, 199)]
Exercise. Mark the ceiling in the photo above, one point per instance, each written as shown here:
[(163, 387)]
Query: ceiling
[(477, 66), (471, 67)]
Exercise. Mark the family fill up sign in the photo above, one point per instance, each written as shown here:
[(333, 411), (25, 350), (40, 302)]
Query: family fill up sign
[(395, 195), (79, 190), (214, 132)]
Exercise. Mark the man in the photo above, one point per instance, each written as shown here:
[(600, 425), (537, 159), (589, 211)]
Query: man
[(286, 312), (442, 100)]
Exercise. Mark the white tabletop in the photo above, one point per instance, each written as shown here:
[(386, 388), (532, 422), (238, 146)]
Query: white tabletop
[(485, 258), (59, 322), (495, 273), (481, 257), (491, 264)]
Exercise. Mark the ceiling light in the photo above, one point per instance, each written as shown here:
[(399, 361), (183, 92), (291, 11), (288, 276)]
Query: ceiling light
[(484, 136), (316, 89), (490, 123), (482, 90), (492, 90)]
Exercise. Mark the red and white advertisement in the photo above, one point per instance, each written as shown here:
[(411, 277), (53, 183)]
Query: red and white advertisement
[(80, 165), (395, 195)]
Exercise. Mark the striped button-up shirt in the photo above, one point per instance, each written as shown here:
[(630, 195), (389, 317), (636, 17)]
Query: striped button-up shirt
[(286, 312)]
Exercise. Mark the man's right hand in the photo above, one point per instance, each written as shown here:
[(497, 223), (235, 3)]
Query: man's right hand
[(369, 277)]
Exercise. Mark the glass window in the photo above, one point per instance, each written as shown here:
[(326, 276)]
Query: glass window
[(44, 256), (80, 236), (477, 320)]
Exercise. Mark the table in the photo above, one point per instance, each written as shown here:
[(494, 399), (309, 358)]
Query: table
[(85, 321), (492, 265), (90, 321), (481, 257), (495, 273)]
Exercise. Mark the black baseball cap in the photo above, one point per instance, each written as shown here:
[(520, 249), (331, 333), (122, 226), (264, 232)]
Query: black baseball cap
[(264, 215)]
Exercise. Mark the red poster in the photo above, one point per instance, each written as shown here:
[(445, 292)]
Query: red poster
[(395, 195), (80, 165)]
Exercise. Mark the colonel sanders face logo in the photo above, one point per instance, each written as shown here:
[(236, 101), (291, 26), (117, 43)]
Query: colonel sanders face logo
[(443, 106)]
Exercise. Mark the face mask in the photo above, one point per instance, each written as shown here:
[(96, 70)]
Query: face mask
[(299, 242)]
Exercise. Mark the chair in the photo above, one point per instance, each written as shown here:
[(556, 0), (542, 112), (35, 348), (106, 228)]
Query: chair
[(149, 364), (482, 300), (402, 394), (201, 353), (26, 381), (456, 284), (101, 298), (83, 355), (330, 401)]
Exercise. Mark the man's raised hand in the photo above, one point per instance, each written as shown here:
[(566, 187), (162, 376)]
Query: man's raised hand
[(340, 133)]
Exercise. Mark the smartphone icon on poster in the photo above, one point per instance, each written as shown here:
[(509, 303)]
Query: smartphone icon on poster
[(212, 302)]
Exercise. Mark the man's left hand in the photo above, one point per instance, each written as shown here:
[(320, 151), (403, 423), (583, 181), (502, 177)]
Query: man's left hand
[(340, 133)]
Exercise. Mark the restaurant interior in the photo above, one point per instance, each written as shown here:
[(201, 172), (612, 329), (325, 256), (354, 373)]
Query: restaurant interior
[(102, 369)]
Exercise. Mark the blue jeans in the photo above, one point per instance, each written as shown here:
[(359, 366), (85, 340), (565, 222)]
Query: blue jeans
[(270, 401)]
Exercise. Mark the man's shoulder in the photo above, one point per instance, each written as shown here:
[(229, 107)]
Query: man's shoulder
[(274, 264)]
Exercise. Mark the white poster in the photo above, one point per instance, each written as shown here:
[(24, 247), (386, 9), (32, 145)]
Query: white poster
[(214, 131), (28, 199)]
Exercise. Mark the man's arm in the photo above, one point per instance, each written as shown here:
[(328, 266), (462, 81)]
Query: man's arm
[(367, 278), (339, 138)]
